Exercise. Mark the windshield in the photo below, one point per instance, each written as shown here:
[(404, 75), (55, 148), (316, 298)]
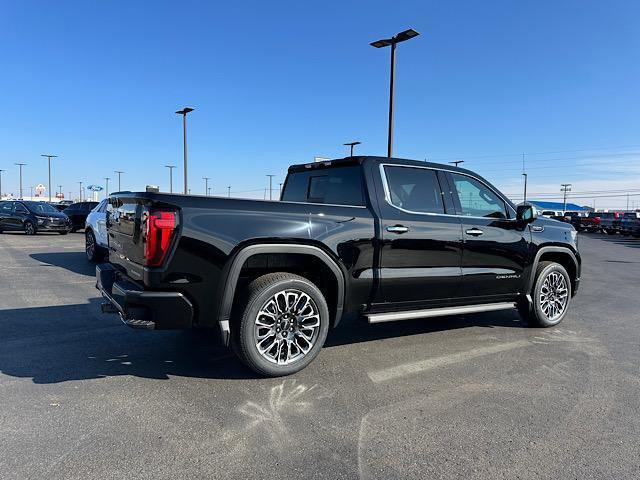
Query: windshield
[(40, 207)]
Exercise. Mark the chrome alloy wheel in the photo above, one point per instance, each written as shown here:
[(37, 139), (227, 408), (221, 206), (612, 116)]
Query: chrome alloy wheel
[(554, 296), (90, 245), (287, 326)]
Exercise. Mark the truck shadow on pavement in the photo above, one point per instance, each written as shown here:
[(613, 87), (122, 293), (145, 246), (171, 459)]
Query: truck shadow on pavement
[(77, 342), (75, 262)]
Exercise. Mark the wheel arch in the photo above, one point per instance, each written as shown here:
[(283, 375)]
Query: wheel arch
[(562, 255), (231, 276)]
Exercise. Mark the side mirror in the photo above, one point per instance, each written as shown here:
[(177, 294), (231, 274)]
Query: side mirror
[(526, 213)]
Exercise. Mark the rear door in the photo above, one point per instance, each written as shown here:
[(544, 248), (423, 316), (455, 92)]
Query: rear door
[(421, 238), (496, 245)]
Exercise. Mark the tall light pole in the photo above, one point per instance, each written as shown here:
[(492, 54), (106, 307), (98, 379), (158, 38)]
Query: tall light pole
[(351, 144), (119, 172), (206, 185), (229, 191), (80, 190), (280, 194), (270, 186), (184, 112), (49, 157), (525, 187), (21, 165), (1, 183), (170, 167), (392, 42), (106, 188), (31, 194), (457, 162), (566, 187), (60, 187)]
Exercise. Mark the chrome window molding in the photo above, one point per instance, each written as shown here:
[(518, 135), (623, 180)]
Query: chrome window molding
[(387, 193)]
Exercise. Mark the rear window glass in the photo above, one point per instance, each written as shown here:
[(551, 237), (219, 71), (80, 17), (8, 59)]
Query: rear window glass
[(338, 185)]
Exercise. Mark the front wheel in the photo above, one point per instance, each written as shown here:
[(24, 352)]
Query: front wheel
[(281, 324), (551, 295), (29, 228)]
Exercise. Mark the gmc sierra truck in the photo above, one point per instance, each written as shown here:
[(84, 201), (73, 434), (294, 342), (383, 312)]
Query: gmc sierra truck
[(379, 238)]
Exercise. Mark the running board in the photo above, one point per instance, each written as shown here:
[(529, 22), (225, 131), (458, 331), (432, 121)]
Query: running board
[(438, 312)]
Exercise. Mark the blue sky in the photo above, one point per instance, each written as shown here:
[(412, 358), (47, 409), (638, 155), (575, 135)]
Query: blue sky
[(278, 82)]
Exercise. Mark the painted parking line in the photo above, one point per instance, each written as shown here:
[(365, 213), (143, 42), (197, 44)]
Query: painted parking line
[(386, 374)]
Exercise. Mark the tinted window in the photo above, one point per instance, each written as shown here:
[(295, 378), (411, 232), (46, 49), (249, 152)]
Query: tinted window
[(414, 189), (6, 207), (476, 199), (338, 185), (40, 207), (21, 208)]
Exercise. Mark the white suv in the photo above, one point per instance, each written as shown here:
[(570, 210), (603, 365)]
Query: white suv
[(95, 232)]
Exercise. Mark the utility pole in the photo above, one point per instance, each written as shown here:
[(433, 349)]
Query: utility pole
[(119, 172), (229, 191), (392, 42), (1, 183), (206, 185), (170, 167), (184, 112), (457, 162), (270, 186), (566, 187), (21, 165), (627, 202), (49, 185), (525, 187), (60, 187), (106, 192), (80, 190)]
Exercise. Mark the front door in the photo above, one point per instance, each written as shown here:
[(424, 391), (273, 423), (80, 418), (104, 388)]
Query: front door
[(6, 213), (495, 250), (421, 241)]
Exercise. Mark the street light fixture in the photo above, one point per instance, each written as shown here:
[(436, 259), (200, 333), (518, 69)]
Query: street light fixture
[(21, 165), (119, 172), (170, 167), (351, 144), (184, 112), (229, 191), (106, 188), (49, 157), (392, 42), (206, 185), (80, 191)]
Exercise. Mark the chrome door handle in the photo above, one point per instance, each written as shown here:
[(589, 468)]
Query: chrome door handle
[(397, 229), (476, 232)]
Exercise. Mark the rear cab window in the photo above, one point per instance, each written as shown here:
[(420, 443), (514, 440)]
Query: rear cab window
[(335, 185)]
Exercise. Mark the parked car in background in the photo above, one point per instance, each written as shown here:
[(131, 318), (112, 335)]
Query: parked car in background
[(32, 217), (95, 232), (78, 213), (590, 223), (630, 224), (610, 222), (61, 205), (380, 238)]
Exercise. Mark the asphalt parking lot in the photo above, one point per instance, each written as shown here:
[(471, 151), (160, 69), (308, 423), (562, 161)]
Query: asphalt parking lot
[(479, 396)]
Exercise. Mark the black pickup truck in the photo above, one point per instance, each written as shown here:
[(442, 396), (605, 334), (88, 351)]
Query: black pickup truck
[(384, 239)]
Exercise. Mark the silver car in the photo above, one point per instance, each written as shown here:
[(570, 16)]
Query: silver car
[(95, 232)]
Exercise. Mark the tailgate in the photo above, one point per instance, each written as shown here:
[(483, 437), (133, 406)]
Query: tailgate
[(133, 236)]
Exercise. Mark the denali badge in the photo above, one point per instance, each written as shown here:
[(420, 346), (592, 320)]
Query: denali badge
[(513, 275)]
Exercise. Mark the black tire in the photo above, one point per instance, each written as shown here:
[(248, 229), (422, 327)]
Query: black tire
[(91, 247), (255, 298), (29, 228), (537, 316)]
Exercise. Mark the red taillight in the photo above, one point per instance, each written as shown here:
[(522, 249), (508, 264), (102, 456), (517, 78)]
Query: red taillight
[(159, 229)]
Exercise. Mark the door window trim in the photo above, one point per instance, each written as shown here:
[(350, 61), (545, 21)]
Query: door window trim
[(387, 194)]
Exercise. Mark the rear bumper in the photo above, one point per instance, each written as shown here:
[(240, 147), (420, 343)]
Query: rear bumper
[(141, 308)]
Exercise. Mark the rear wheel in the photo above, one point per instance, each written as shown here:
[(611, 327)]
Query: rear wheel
[(91, 247), (29, 228), (551, 295), (281, 324)]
